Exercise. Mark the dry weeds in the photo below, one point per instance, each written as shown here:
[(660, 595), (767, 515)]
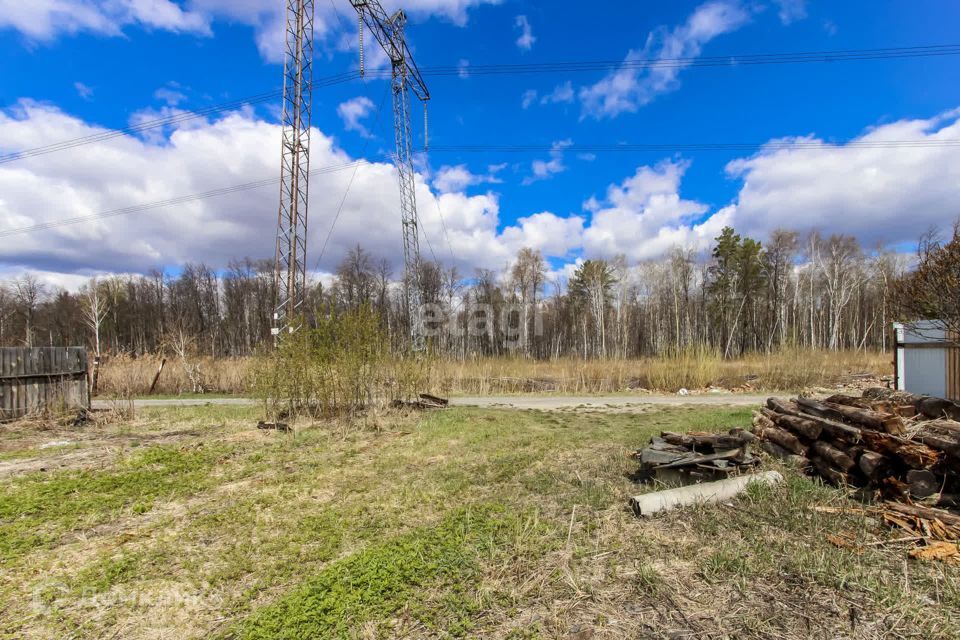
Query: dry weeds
[(787, 370)]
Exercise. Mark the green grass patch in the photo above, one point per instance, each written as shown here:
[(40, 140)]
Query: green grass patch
[(36, 510), (387, 584)]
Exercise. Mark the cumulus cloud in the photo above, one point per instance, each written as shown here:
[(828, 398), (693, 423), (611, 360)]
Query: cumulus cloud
[(544, 169), (878, 194), (234, 149), (644, 216), (353, 111), (44, 20), (526, 39), (627, 89), (459, 177)]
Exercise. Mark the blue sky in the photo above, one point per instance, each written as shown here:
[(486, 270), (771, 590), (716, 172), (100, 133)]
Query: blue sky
[(72, 67)]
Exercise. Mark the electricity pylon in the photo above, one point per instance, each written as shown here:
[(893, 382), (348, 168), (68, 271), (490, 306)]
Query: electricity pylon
[(388, 30), (290, 274)]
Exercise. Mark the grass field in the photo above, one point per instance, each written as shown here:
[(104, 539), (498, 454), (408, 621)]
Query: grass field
[(191, 523)]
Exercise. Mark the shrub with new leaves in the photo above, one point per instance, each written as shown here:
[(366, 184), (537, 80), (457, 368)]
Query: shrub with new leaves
[(335, 368)]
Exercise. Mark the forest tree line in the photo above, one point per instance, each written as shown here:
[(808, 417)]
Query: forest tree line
[(812, 291)]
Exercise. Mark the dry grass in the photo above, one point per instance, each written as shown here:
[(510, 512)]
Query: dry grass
[(464, 523), (783, 371)]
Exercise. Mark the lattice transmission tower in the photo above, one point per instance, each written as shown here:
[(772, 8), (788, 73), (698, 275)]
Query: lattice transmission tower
[(389, 32), (291, 265)]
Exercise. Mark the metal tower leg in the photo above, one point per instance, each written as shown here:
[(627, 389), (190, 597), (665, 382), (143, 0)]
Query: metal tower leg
[(291, 271)]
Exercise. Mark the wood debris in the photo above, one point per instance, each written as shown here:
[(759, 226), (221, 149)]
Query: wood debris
[(424, 402), (871, 442), (902, 448), (688, 458)]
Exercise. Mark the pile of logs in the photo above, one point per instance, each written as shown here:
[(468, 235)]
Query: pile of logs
[(689, 458), (904, 446)]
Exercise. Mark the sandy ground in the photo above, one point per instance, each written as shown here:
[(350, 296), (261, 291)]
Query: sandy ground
[(542, 403)]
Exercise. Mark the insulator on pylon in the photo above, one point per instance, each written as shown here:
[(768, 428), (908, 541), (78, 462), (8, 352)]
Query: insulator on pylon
[(426, 128), (360, 31)]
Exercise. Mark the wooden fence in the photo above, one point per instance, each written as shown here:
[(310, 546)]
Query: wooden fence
[(37, 379)]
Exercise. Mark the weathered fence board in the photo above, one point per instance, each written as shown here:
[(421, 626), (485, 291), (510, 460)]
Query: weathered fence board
[(37, 379)]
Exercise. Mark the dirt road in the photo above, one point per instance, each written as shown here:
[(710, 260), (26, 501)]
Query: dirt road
[(543, 403)]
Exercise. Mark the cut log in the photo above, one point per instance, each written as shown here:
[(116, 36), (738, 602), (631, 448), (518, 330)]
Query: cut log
[(784, 407), (937, 407), (913, 454), (836, 430), (835, 476), (874, 465), (927, 513), (941, 443), (780, 453), (853, 401), (785, 439), (761, 422), (809, 429), (943, 427), (904, 410), (868, 418), (923, 483), (708, 440), (837, 458)]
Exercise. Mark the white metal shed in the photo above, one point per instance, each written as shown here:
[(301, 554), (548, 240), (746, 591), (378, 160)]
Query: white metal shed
[(928, 359)]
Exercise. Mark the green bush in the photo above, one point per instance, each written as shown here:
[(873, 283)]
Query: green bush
[(338, 367)]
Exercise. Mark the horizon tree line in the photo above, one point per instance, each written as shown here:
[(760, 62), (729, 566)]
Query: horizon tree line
[(812, 291)]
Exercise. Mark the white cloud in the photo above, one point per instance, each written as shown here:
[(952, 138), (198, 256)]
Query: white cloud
[(645, 216), (463, 69), (627, 89), (526, 39), (529, 97), (544, 169), (83, 90), (44, 20), (878, 194), (353, 111), (791, 11), (459, 177), (235, 149), (561, 94), (170, 95)]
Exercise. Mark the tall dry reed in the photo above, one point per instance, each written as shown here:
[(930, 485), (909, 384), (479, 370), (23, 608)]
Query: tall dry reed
[(783, 371)]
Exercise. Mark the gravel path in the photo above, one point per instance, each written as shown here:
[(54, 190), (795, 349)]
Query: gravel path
[(544, 403)]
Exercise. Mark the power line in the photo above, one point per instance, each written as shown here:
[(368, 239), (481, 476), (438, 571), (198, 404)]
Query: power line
[(595, 148), (709, 146), (194, 197), (353, 177), (733, 60), (515, 69), (178, 118)]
